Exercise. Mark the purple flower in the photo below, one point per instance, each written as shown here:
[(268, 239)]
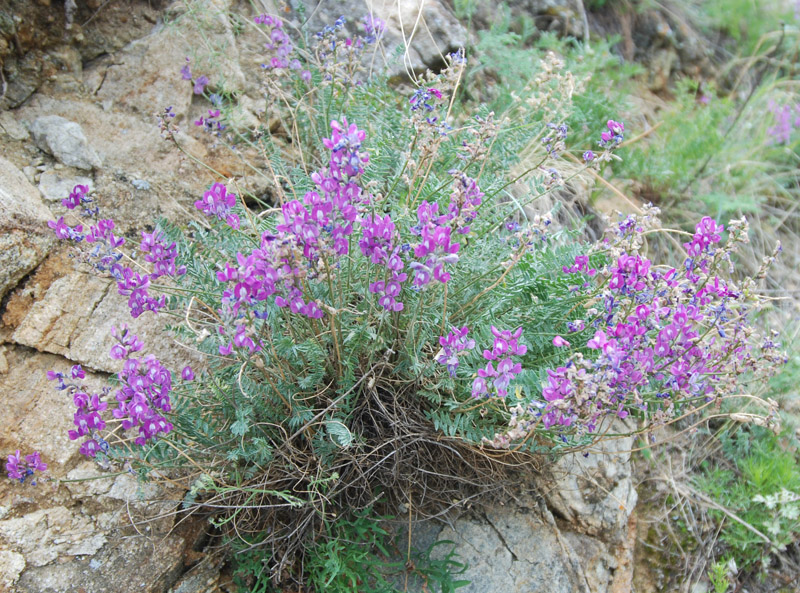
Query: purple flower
[(186, 72), (19, 470), (615, 127), (90, 448), (160, 254), (560, 342), (453, 345), (200, 84), (505, 342), (373, 28), (76, 372), (218, 202), (588, 156), (479, 387), (436, 250), (12, 467), (187, 374), (63, 231), (76, 197), (613, 137), (426, 98)]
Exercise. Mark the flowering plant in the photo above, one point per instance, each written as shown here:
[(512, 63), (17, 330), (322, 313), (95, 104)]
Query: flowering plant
[(391, 310)]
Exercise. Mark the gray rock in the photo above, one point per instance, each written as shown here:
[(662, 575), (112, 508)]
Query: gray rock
[(25, 238), (64, 140), (131, 565), (145, 75), (55, 186), (565, 17), (11, 566), (44, 535), (429, 29), (596, 491), (11, 127), (36, 416), (515, 550)]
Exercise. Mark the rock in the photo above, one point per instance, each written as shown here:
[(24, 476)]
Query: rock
[(429, 28), (145, 75), (594, 492), (132, 565), (662, 65), (44, 535), (56, 186), (25, 237), (202, 578), (131, 148), (11, 127), (36, 416), (437, 32), (515, 550), (64, 140), (74, 319), (11, 566), (565, 17)]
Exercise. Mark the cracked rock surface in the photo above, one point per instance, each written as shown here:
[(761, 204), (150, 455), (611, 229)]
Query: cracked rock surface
[(521, 548)]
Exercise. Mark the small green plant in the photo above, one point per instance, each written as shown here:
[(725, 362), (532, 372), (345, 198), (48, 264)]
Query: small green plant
[(758, 480), (718, 575)]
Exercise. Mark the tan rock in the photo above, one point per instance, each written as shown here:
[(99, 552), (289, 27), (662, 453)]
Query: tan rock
[(25, 237), (44, 535), (145, 76), (11, 566), (75, 317), (36, 416)]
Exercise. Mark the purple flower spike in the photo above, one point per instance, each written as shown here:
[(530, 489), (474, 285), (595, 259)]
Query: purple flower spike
[(186, 72), (453, 345)]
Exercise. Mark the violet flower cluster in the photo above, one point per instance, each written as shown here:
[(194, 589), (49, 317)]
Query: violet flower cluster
[(506, 344), (17, 469), (145, 391), (453, 346), (136, 286), (613, 136), (142, 400), (106, 257), (211, 123), (280, 49), (663, 338), (555, 141), (313, 233), (340, 55), (435, 248), (87, 418), (787, 118), (217, 201), (379, 245), (199, 84)]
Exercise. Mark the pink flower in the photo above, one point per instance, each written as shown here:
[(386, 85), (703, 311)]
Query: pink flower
[(560, 342)]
